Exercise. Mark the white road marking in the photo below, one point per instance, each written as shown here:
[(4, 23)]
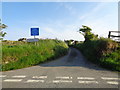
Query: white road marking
[(64, 77), (39, 77), (13, 80), (2, 76), (88, 82), (60, 81), (19, 76), (107, 78), (90, 78), (35, 81), (116, 83)]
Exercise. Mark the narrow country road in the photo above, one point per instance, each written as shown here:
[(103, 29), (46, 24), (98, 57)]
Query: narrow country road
[(70, 71)]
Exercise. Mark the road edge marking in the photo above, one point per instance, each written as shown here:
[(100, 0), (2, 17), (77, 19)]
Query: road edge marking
[(109, 78), (112, 82), (12, 80), (87, 82), (89, 78), (43, 77), (21, 76), (30, 81), (62, 81)]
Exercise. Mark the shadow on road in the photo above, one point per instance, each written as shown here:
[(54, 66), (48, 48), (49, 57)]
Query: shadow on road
[(73, 59)]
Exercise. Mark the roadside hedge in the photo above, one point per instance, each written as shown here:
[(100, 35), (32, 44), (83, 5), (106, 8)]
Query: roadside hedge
[(18, 54), (104, 52)]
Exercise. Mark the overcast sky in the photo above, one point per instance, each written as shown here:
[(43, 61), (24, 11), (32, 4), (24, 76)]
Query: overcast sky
[(59, 20)]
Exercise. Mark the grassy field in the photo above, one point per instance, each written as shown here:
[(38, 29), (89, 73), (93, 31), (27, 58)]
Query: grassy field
[(18, 54), (103, 52)]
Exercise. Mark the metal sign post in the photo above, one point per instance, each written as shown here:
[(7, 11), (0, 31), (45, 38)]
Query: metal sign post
[(34, 40)]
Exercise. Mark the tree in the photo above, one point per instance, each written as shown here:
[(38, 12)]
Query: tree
[(86, 32), (2, 26)]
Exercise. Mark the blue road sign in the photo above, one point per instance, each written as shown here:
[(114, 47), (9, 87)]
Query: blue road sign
[(34, 31)]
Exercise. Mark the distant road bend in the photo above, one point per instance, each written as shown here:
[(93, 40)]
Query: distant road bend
[(70, 71)]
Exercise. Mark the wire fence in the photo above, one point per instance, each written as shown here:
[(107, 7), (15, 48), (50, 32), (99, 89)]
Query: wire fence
[(114, 35)]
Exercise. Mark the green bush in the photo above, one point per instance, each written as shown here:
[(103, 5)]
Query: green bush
[(103, 51), (22, 54)]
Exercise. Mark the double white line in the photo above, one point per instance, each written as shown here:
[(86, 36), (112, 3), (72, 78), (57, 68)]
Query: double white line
[(37, 77), (111, 82), (2, 76), (86, 82), (66, 79), (15, 80)]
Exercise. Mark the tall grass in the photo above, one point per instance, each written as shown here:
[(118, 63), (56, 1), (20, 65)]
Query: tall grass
[(104, 52), (18, 55)]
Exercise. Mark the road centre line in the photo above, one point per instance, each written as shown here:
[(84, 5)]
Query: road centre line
[(64, 77), (90, 78), (35, 81), (19, 76), (13, 80), (60, 81), (111, 82), (107, 78), (88, 82), (39, 77)]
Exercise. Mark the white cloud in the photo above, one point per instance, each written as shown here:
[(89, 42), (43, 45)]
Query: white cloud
[(83, 17), (103, 25), (62, 30), (93, 11), (68, 7), (69, 32)]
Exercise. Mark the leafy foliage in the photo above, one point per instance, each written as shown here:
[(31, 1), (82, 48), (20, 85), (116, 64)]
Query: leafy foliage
[(86, 32), (18, 54), (2, 26), (102, 51)]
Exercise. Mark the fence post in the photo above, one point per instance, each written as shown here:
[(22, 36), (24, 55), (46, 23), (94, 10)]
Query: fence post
[(109, 34)]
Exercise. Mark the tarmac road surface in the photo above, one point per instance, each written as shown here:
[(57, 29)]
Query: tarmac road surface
[(70, 71)]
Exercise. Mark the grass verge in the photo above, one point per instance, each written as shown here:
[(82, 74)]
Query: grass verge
[(103, 52), (16, 54)]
